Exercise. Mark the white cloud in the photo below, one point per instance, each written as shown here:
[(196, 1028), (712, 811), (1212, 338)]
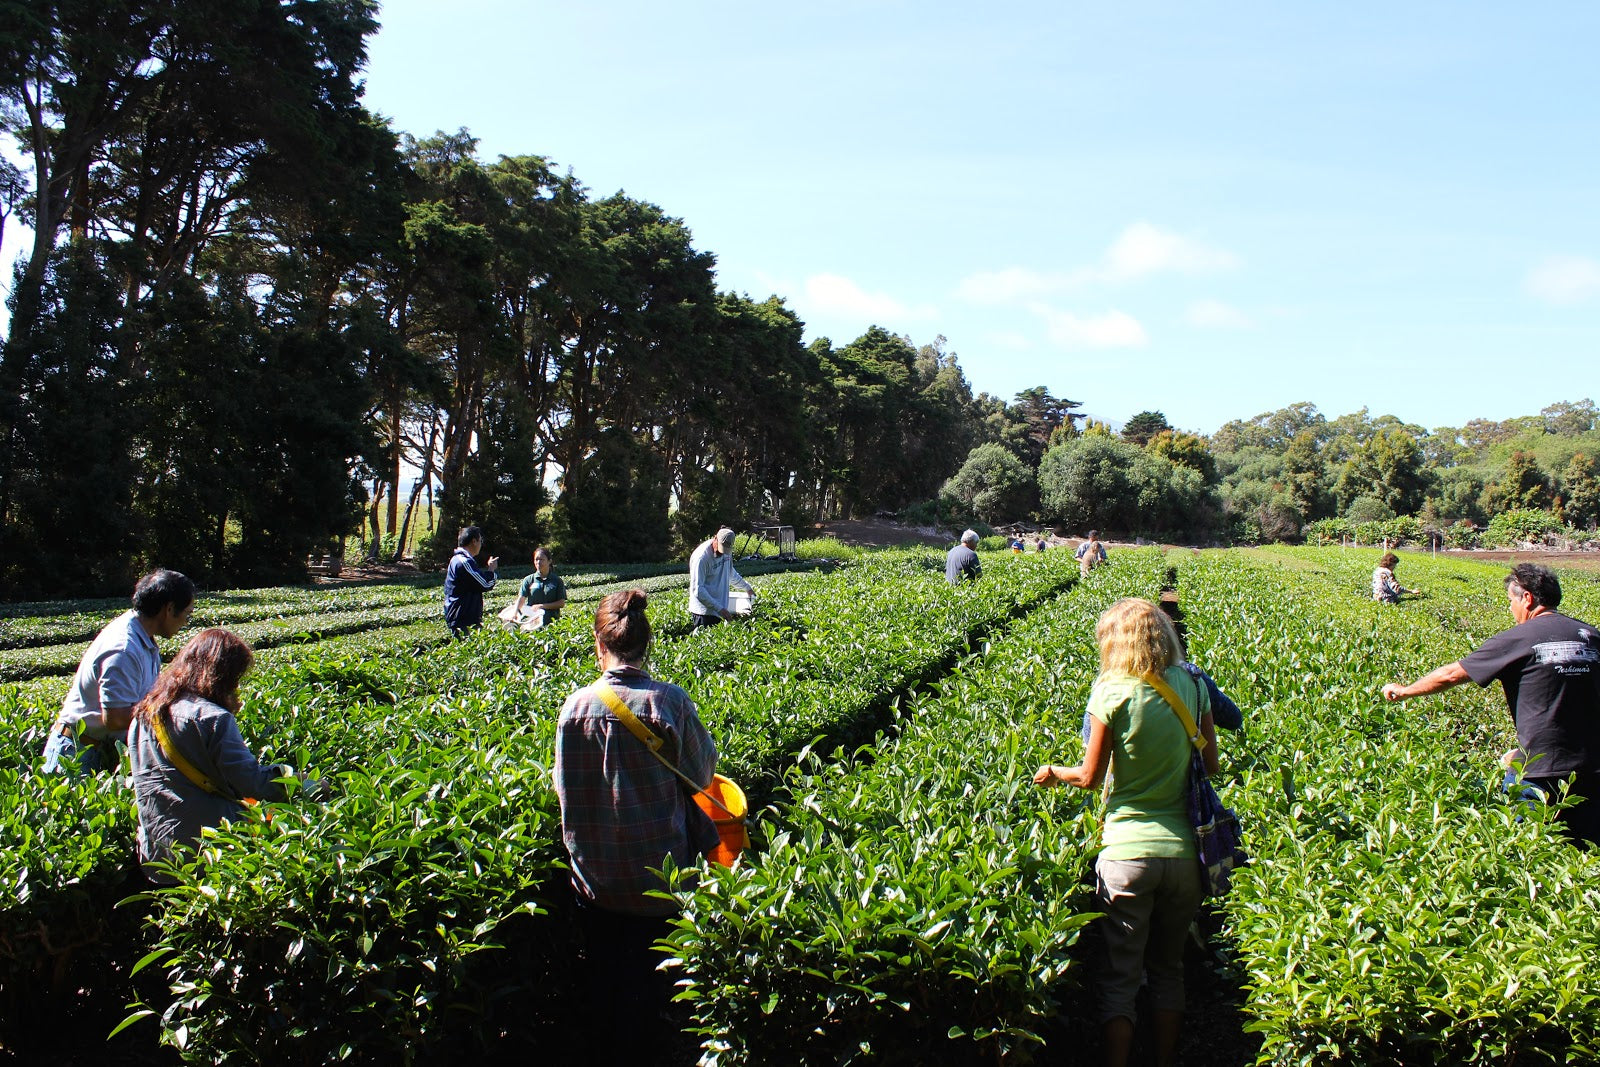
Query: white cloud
[(834, 294), (1112, 329), (1139, 251), (1014, 285), (1214, 314), (1144, 249), (1564, 280)]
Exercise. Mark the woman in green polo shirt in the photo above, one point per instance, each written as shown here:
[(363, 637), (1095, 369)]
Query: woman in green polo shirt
[(541, 597), (1147, 874)]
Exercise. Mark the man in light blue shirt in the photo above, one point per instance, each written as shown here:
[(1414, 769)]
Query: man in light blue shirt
[(116, 672), (710, 575)]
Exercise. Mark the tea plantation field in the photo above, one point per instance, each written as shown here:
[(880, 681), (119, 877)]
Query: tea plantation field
[(912, 897)]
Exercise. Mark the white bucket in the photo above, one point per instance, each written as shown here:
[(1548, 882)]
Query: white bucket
[(740, 602)]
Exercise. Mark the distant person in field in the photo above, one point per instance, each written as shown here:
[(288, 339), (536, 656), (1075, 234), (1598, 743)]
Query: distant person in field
[(465, 583), (1224, 712), (1091, 553), (191, 768), (1147, 873), (1549, 666), (1385, 589), (116, 672), (961, 562), (1016, 546), (624, 814), (540, 598), (711, 575), (1041, 544)]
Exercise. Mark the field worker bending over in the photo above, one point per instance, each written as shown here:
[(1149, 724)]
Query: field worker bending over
[(961, 564), (1385, 589), (465, 583), (191, 768), (1549, 666), (116, 672), (711, 574), (1148, 874), (540, 599), (1091, 553)]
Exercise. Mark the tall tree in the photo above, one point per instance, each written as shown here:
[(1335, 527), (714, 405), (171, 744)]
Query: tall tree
[(1143, 427), (1581, 492), (1042, 415)]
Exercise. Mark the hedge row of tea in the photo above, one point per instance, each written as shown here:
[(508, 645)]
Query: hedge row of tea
[(52, 644), (924, 904), (920, 903), (918, 900), (1401, 909), (361, 924)]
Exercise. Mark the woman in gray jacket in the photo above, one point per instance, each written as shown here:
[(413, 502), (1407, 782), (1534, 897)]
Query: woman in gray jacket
[(191, 768)]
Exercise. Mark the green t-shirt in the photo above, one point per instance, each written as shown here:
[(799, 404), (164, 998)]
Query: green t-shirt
[(1147, 813), (536, 591)]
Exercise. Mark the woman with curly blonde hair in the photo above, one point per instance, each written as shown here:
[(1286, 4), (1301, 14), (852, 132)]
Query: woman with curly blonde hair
[(1147, 874)]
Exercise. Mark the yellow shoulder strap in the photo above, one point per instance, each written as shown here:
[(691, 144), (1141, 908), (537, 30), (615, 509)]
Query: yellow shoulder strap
[(169, 748), (626, 716), (1185, 716), (638, 729)]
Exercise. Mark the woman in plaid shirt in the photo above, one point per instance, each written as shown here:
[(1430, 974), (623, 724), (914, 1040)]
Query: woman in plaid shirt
[(623, 812)]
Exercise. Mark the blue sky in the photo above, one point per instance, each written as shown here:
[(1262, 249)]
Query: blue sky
[(1212, 210)]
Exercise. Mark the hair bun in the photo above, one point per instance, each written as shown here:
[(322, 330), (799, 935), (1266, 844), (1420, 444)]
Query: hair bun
[(637, 600)]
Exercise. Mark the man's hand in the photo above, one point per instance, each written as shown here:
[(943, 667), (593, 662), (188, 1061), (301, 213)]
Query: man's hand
[(494, 563), (1435, 681)]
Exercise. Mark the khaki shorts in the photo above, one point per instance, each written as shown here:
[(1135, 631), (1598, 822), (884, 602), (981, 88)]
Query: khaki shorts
[(1149, 904)]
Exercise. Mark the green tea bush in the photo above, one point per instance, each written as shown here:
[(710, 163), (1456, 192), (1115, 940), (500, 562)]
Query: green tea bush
[(919, 904), (1401, 909)]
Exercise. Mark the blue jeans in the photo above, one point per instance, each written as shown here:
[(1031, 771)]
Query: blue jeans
[(90, 756), (1580, 822)]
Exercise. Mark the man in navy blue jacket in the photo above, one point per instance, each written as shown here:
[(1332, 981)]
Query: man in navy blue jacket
[(465, 583)]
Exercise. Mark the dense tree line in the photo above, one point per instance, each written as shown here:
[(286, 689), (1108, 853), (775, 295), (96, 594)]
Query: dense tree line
[(254, 318), (252, 313), (1268, 478), (1286, 468)]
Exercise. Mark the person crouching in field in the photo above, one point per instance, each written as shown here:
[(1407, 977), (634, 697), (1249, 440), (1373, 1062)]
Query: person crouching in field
[(624, 814), (711, 575), (1091, 553), (540, 598), (191, 768), (116, 672), (1385, 589), (1148, 874)]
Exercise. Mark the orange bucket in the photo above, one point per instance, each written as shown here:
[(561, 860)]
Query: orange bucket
[(729, 817)]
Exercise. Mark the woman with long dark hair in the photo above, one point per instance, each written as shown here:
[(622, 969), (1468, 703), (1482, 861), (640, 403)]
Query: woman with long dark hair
[(191, 768)]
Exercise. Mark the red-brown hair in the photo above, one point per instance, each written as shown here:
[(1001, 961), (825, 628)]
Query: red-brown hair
[(621, 625), (210, 666)]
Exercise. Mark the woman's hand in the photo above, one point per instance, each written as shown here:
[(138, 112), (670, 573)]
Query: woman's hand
[(1050, 775)]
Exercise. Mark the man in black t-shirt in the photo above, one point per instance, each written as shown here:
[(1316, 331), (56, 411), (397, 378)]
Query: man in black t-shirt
[(1549, 666)]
